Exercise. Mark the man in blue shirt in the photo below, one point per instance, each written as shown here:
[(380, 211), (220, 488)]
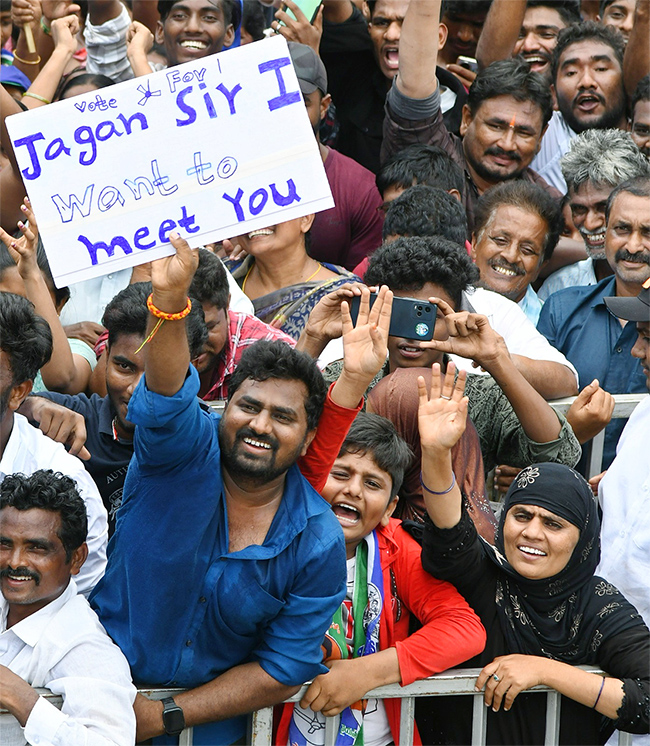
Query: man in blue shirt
[(226, 566), (578, 323)]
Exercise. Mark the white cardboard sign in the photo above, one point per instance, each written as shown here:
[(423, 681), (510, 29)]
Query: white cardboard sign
[(212, 149)]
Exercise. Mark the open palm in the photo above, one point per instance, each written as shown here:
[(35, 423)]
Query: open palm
[(442, 412), (365, 346)]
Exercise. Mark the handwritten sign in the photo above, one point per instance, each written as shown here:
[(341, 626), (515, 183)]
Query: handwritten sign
[(213, 148)]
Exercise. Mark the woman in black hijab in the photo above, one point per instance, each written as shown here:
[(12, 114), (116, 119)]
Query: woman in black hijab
[(535, 591)]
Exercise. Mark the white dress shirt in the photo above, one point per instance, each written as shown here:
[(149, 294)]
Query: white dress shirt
[(508, 320), (555, 144), (624, 495), (27, 451), (64, 648), (580, 273)]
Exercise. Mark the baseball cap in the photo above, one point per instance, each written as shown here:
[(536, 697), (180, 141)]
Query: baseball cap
[(309, 68), (632, 309)]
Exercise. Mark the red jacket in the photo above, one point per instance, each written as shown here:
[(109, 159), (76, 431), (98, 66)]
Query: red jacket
[(451, 631)]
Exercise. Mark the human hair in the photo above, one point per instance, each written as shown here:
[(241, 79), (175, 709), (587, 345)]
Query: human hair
[(526, 196), (375, 436), (605, 157), (639, 187), (61, 295), (587, 31), (641, 93), (230, 8), (265, 360), (422, 210), (5, 6), (127, 313), (95, 79), (464, 7), (210, 283), (410, 263), (25, 337), (54, 492), (511, 77), (568, 10), (253, 19), (420, 164)]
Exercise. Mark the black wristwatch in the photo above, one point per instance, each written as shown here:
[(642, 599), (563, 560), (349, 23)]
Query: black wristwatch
[(173, 718)]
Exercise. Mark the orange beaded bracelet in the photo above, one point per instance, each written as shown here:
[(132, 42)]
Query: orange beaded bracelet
[(168, 316), (162, 317)]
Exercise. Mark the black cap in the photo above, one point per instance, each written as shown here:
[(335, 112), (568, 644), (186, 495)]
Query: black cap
[(309, 68), (632, 309)]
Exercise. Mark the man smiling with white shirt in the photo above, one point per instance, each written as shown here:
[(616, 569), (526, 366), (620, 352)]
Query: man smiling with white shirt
[(49, 636)]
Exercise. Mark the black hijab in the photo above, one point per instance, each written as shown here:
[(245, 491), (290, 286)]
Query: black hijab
[(568, 615)]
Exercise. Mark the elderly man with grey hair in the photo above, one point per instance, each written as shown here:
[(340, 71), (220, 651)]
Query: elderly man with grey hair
[(596, 163)]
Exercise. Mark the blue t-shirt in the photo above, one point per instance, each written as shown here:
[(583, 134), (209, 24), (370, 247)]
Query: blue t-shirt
[(180, 606), (578, 323)]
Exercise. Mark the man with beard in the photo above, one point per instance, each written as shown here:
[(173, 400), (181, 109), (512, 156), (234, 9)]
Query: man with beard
[(506, 114), (597, 162), (349, 231), (109, 434), (587, 70), (25, 346), (226, 566), (517, 227), (578, 322)]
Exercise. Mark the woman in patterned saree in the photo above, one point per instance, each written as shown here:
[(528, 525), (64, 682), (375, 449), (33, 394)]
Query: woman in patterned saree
[(280, 277)]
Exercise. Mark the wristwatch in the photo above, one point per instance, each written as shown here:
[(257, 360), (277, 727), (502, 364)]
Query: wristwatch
[(173, 718)]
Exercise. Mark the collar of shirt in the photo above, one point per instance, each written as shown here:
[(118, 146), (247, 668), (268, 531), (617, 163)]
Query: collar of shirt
[(31, 629)]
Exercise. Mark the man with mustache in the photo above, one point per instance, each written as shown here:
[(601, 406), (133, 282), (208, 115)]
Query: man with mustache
[(506, 114), (577, 321), (517, 226), (25, 346), (49, 635), (597, 161)]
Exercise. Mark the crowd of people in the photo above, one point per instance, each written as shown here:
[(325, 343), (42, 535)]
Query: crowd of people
[(230, 472)]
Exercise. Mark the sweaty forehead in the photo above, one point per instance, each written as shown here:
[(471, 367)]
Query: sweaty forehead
[(506, 107)]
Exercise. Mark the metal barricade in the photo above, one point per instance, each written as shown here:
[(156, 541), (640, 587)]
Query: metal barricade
[(624, 405), (452, 682)]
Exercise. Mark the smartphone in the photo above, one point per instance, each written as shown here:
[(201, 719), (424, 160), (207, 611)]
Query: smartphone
[(469, 63), (308, 7), (410, 318)]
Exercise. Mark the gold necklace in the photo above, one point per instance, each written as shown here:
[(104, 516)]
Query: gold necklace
[(250, 269)]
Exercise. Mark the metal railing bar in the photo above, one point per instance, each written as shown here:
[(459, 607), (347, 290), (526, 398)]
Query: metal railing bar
[(479, 721), (552, 732), (407, 721)]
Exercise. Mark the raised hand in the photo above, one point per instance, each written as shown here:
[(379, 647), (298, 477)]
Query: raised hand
[(23, 249), (64, 31), (171, 276), (470, 336), (442, 413), (299, 29), (365, 345)]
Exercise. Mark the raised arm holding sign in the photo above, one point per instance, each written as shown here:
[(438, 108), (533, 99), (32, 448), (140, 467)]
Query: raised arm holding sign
[(174, 151)]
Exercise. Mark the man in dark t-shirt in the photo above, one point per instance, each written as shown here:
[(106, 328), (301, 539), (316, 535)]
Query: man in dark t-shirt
[(361, 60), (109, 435)]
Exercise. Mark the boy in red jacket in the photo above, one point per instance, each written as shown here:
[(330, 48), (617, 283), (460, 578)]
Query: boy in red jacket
[(368, 644)]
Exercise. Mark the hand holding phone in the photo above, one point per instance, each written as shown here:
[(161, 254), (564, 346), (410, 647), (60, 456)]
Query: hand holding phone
[(411, 318)]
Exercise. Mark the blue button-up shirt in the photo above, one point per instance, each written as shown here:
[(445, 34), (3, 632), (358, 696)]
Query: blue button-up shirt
[(578, 323), (184, 609)]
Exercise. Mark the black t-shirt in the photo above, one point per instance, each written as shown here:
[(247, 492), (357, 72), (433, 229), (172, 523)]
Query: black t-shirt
[(109, 458), (456, 555), (359, 88)]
